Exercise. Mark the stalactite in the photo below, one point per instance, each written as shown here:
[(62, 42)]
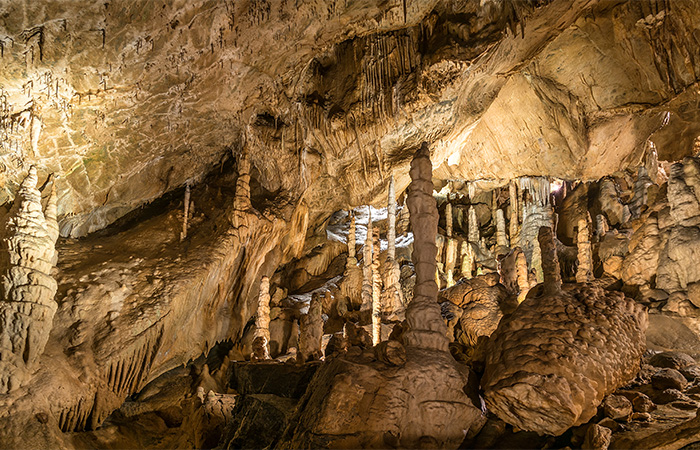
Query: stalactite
[(261, 349), (376, 291), (584, 272), (523, 278), (27, 288), (467, 262), (426, 329), (186, 213)]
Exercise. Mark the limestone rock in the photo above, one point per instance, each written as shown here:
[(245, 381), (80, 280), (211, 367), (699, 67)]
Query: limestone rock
[(353, 405), (617, 407), (672, 360), (668, 379), (551, 362), (27, 287), (597, 438)]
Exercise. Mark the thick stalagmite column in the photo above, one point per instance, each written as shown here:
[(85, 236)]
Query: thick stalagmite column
[(467, 263), (392, 296), (186, 213), (513, 192), (27, 289), (261, 340), (311, 331), (376, 291), (584, 273), (426, 329), (537, 212), (367, 266)]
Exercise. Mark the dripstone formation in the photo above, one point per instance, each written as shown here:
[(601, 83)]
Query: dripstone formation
[(550, 363), (27, 287)]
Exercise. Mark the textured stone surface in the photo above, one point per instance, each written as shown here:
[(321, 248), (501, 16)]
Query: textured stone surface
[(352, 405), (551, 363), (27, 288)]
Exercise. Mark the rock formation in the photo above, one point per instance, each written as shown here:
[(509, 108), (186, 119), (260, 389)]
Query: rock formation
[(584, 272), (367, 273), (27, 287), (351, 287), (185, 213), (377, 306), (262, 321), (466, 259), (514, 209), (392, 297), (550, 363), (311, 332)]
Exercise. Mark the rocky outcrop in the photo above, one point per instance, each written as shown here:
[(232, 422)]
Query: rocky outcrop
[(550, 363), (664, 245), (27, 286), (483, 302)]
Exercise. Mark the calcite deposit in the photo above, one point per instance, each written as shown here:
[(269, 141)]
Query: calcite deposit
[(335, 223), (550, 363), (27, 287)]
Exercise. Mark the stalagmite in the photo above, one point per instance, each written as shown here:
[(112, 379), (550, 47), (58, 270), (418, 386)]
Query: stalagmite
[(376, 291), (601, 226), (522, 276), (450, 261), (426, 329), (392, 296), (584, 272), (311, 332), (439, 266), (262, 321), (367, 266), (351, 285), (550, 261), (467, 262), (448, 220), (186, 213), (474, 233), (27, 289), (501, 236)]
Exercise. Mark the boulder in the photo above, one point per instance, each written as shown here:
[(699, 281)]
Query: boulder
[(668, 379), (374, 405), (550, 363)]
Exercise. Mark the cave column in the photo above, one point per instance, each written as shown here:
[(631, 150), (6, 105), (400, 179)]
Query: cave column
[(425, 327), (513, 192), (186, 213), (376, 291)]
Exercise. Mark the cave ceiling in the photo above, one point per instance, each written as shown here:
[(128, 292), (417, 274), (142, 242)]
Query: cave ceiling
[(124, 101)]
